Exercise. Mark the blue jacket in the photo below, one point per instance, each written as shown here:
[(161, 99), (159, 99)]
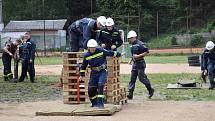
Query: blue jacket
[(110, 38), (27, 50), (96, 59), (87, 27), (138, 47), (206, 58)]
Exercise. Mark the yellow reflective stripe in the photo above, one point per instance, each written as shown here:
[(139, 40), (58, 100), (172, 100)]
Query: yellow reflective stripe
[(115, 33), (82, 70), (115, 53), (94, 97), (105, 32), (95, 56), (101, 96)]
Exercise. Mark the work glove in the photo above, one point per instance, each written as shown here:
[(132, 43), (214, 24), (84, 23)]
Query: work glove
[(113, 47)]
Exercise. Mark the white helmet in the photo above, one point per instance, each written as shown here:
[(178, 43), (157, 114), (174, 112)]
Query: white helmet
[(109, 22), (102, 20), (92, 43), (209, 45), (131, 34)]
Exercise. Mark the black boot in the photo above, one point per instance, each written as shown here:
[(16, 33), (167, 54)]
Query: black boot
[(130, 95), (94, 102), (151, 93), (212, 85), (6, 78)]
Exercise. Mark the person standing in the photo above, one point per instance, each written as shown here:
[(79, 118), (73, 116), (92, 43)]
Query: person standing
[(9, 53), (109, 37), (27, 53), (208, 63), (138, 51)]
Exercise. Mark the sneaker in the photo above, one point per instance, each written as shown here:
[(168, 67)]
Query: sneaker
[(151, 93)]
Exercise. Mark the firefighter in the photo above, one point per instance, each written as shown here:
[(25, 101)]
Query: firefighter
[(208, 63), (8, 53), (27, 54), (138, 51), (82, 30), (96, 59), (109, 37)]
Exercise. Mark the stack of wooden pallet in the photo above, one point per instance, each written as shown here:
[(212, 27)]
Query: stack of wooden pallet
[(77, 92), (115, 93), (74, 91)]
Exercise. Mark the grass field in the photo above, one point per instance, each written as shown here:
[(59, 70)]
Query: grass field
[(42, 89), (160, 81), (30, 92)]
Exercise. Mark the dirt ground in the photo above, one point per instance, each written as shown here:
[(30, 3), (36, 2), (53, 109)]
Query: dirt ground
[(125, 69), (135, 110)]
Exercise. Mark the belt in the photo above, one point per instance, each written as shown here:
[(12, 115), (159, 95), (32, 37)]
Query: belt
[(99, 68)]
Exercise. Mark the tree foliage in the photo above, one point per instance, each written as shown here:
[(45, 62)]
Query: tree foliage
[(140, 15)]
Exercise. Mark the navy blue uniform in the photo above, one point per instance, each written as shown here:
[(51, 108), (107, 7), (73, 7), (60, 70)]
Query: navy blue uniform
[(80, 32), (208, 63), (97, 62), (27, 54), (138, 68), (110, 38), (6, 59)]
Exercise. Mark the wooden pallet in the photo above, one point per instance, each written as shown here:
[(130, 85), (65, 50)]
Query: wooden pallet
[(75, 101), (111, 80), (69, 68), (123, 101), (73, 86), (113, 86), (113, 74), (72, 61), (112, 61), (73, 55), (113, 99), (113, 68), (112, 93)]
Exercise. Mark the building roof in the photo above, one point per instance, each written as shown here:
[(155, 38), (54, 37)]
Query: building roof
[(35, 25)]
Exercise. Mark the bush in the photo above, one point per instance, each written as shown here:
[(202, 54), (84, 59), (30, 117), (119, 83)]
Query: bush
[(197, 40), (174, 40), (164, 41)]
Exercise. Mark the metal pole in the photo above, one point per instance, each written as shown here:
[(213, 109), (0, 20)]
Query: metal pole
[(1, 20), (157, 25), (91, 6), (44, 28)]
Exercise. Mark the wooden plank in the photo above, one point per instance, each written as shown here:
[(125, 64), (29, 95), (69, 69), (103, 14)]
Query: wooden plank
[(89, 111), (62, 110)]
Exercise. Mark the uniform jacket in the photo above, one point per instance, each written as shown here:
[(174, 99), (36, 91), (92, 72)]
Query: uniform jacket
[(96, 59), (109, 38), (207, 57)]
